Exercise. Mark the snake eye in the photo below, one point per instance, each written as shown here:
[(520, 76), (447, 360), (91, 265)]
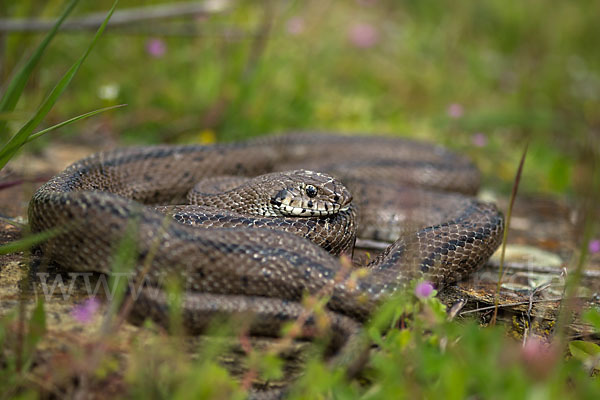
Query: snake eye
[(311, 191)]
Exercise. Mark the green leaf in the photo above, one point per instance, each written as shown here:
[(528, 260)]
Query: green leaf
[(439, 309), (559, 174), (375, 335), (37, 322), (270, 366), (17, 84), (583, 350), (123, 264), (5, 322), (36, 330), (593, 317), (175, 296), (21, 137)]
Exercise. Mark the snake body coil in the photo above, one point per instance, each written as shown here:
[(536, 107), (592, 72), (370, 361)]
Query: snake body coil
[(99, 200)]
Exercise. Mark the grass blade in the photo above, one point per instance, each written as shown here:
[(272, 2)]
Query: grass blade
[(27, 242), (71, 120), (21, 137), (17, 84), (67, 122), (513, 196), (589, 208)]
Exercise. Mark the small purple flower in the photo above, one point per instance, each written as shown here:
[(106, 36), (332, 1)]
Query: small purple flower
[(156, 47), (594, 246), (424, 290), (455, 110), (479, 140), (295, 26), (363, 35), (85, 312)]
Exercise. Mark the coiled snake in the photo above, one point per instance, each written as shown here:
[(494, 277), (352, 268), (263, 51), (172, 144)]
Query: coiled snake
[(246, 265)]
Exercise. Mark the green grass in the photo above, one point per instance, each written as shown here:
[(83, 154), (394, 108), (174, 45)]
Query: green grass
[(515, 74), (429, 357), (518, 72), (16, 85)]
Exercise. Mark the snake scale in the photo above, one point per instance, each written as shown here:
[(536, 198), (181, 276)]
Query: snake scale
[(393, 189)]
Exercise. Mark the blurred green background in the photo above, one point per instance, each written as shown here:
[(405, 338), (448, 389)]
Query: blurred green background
[(478, 76)]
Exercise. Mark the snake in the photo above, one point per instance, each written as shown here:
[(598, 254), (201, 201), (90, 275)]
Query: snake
[(268, 222)]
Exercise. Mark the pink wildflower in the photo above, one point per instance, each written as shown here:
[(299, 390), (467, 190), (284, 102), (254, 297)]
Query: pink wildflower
[(455, 110), (85, 312), (594, 246), (424, 290), (295, 26), (363, 35), (539, 357), (156, 47), (479, 140)]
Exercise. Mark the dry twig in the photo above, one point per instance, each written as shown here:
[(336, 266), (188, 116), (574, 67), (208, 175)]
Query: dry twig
[(120, 18)]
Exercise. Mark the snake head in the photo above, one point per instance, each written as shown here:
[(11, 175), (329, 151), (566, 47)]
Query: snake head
[(303, 193)]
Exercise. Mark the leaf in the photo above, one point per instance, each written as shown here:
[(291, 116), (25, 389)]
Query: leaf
[(375, 335), (123, 264), (559, 174), (583, 350), (17, 84), (21, 137), (593, 317), (175, 296), (36, 330), (37, 322), (270, 366), (5, 321)]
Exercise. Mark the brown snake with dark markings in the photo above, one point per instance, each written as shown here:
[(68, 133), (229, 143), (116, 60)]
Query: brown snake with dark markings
[(440, 236)]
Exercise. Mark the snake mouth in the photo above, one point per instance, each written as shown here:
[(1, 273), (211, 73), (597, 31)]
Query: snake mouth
[(305, 199), (311, 212)]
